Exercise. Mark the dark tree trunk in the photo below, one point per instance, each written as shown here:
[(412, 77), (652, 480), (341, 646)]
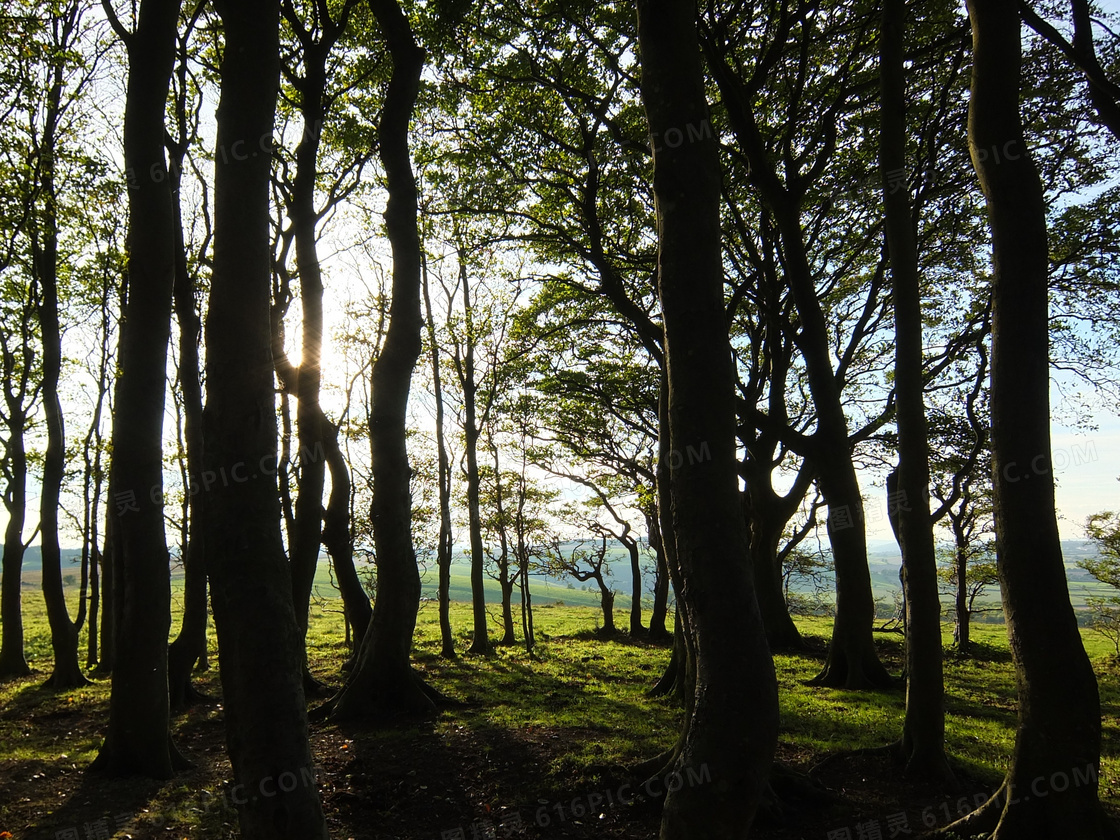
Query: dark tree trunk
[(13, 663), (732, 724), (527, 608), (258, 637), (507, 584), (108, 597), (138, 740), (339, 542), (606, 601), (636, 628), (190, 644), (383, 683), (1059, 732), (923, 731), (657, 629), (964, 614), (480, 642), (444, 546), (67, 673), (765, 536)]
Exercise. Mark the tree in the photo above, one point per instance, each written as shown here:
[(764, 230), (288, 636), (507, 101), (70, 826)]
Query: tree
[(731, 725), (1104, 530), (586, 564), (258, 637), (20, 387), (138, 739), (922, 746), (63, 28), (383, 682), (1059, 706)]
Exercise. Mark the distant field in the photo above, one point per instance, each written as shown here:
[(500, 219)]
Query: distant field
[(883, 562)]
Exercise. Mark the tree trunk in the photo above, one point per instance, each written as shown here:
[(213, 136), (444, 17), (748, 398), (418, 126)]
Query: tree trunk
[(732, 726), (444, 546), (384, 684), (964, 614), (481, 640), (13, 663), (1059, 732), (190, 644), (636, 628), (765, 536), (67, 673), (606, 601), (657, 629), (138, 740), (258, 637), (339, 542), (923, 730), (507, 583)]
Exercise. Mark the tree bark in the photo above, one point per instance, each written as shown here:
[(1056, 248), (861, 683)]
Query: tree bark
[(190, 643), (13, 663), (732, 725), (657, 629), (384, 684), (443, 468), (258, 637), (923, 730), (66, 672), (480, 642), (1059, 731), (339, 541), (138, 740)]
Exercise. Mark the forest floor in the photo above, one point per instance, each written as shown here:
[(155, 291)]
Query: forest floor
[(540, 750)]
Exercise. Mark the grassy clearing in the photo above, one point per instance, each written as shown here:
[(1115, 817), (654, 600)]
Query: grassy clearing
[(535, 734)]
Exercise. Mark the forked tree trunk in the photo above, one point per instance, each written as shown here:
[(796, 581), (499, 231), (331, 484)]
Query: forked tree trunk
[(383, 684), (923, 731), (190, 644), (138, 740), (731, 729), (1050, 790), (258, 638)]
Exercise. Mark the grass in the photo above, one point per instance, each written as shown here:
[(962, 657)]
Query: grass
[(535, 734)]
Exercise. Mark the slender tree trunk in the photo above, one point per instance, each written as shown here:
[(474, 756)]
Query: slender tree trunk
[(108, 598), (1050, 790), (481, 640), (731, 729), (923, 730), (339, 541), (13, 663), (384, 684), (67, 673), (636, 628), (964, 616), (258, 637), (657, 629), (444, 547), (190, 644), (138, 739), (307, 535)]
